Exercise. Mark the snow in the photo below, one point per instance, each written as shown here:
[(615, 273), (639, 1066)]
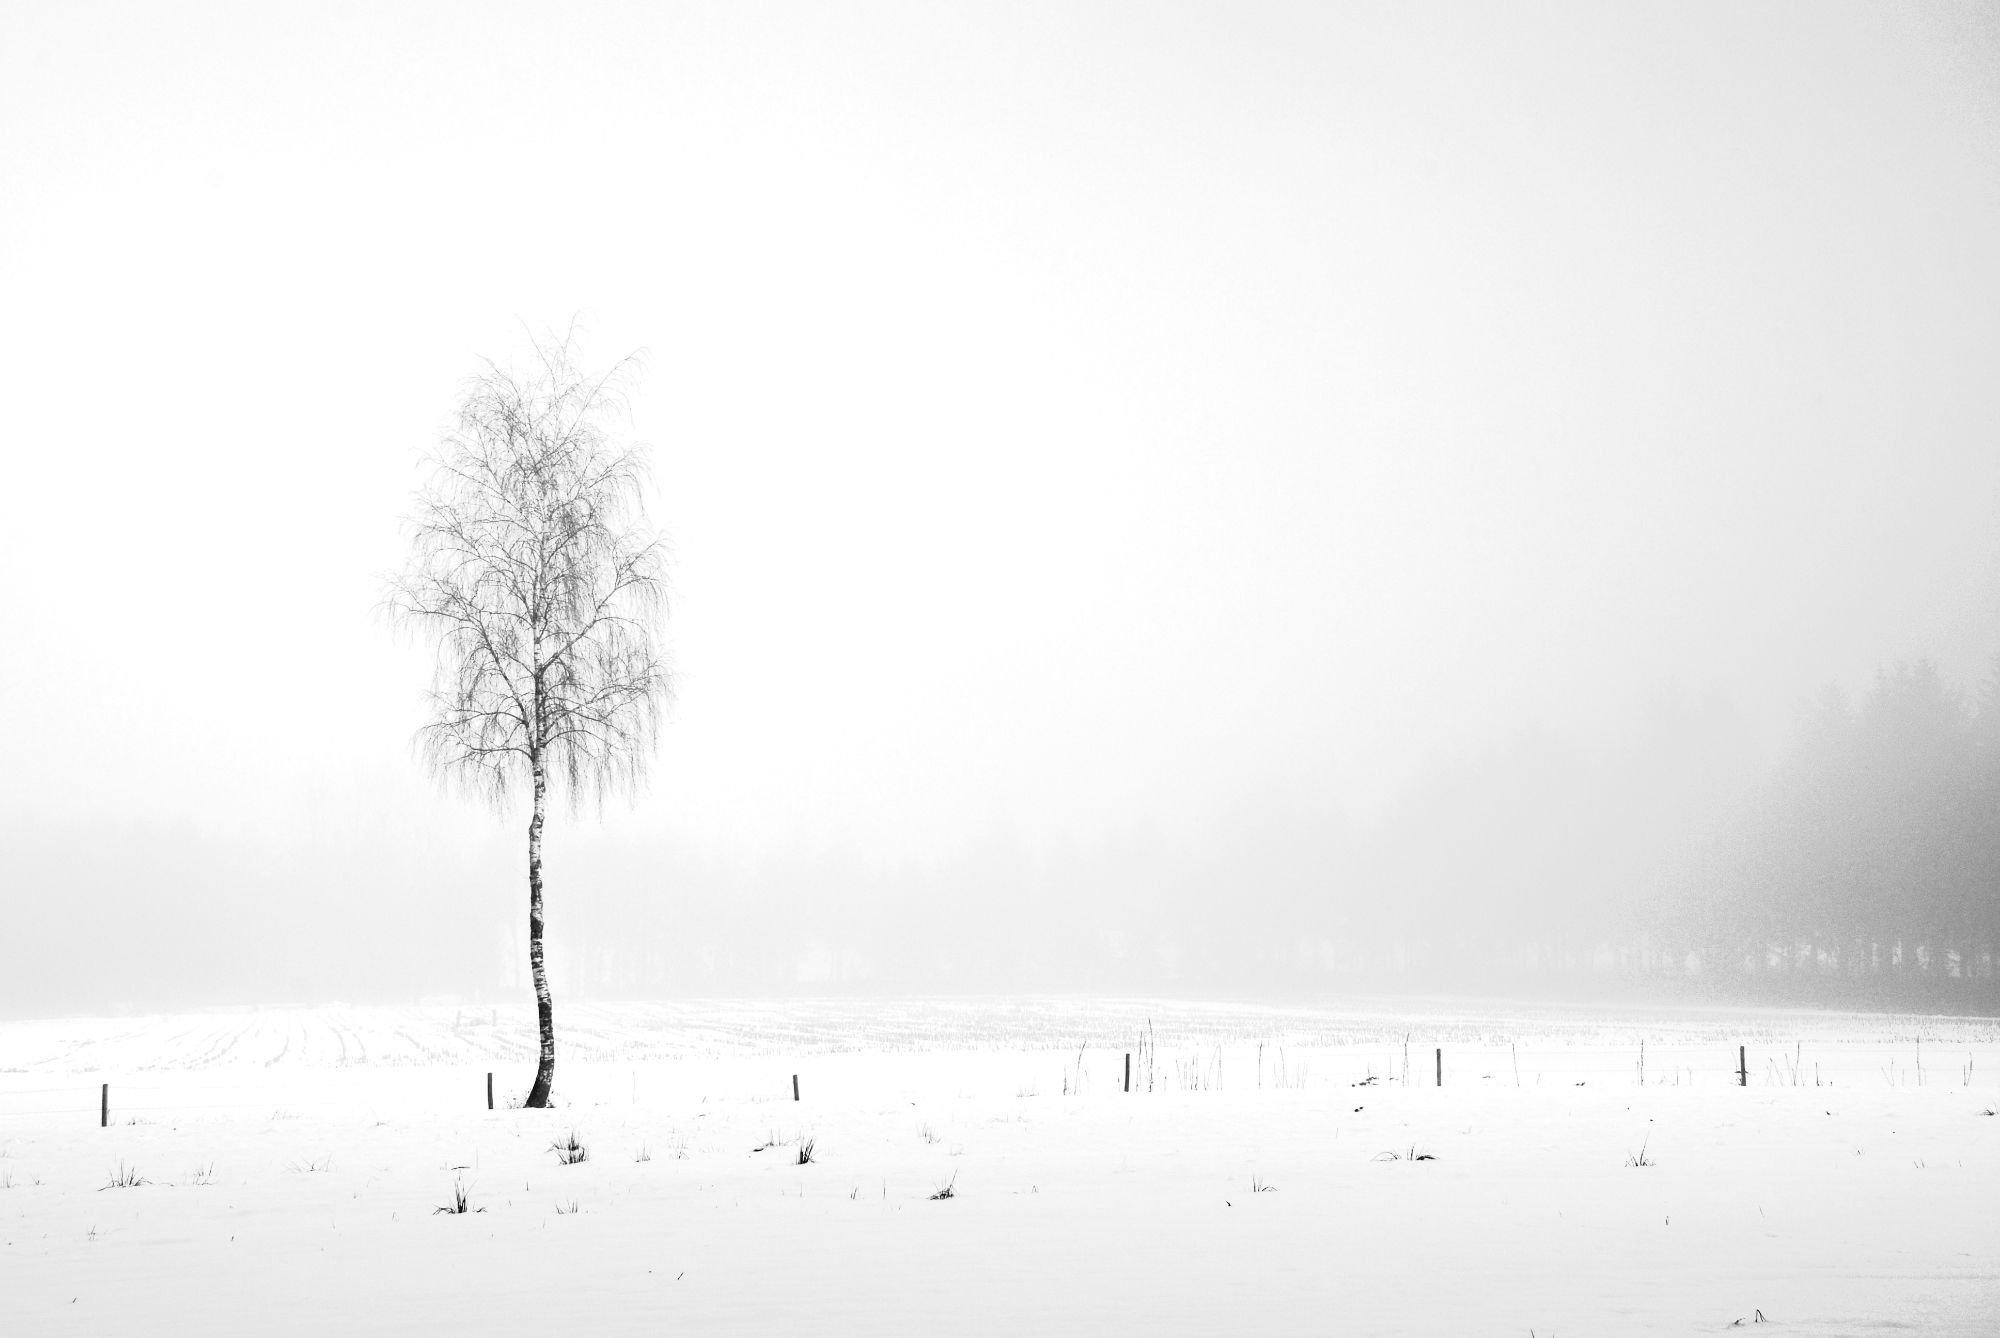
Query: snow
[(1841, 1192)]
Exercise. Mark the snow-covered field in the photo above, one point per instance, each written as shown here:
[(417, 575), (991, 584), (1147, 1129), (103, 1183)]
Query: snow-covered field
[(1274, 1170)]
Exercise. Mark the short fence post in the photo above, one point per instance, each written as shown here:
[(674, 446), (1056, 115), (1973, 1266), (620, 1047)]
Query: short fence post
[(1440, 1061), (1742, 1068), (104, 1107), (489, 1089), (795, 1087), (1128, 1070)]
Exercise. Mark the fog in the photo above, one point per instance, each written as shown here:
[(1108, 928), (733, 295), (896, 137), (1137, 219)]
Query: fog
[(1196, 498)]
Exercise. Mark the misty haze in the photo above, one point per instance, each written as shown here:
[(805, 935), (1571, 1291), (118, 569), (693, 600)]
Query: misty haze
[(1142, 664)]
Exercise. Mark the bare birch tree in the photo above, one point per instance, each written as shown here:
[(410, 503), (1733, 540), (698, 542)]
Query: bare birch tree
[(536, 576)]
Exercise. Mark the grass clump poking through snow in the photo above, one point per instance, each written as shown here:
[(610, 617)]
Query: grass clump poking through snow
[(947, 1190), (642, 1155), (125, 1177), (1411, 1154), (202, 1175), (460, 1203), (1259, 1187), (569, 1151), (805, 1151), (1640, 1158)]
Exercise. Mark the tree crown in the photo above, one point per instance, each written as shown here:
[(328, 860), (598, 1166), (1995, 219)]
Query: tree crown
[(533, 570)]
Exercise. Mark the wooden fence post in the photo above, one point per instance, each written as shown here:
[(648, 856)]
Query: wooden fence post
[(1128, 1070), (104, 1107), (1440, 1060), (795, 1087), (489, 1089), (1742, 1068)]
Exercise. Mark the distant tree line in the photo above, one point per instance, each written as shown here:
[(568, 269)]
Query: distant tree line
[(1866, 864), (1860, 866)]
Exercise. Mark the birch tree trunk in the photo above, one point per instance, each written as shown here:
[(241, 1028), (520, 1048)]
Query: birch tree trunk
[(545, 1071)]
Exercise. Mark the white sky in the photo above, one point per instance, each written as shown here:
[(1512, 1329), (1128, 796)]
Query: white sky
[(1066, 417)]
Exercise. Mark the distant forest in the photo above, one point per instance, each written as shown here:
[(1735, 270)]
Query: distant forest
[(1860, 867), (1865, 865), (1854, 863)]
